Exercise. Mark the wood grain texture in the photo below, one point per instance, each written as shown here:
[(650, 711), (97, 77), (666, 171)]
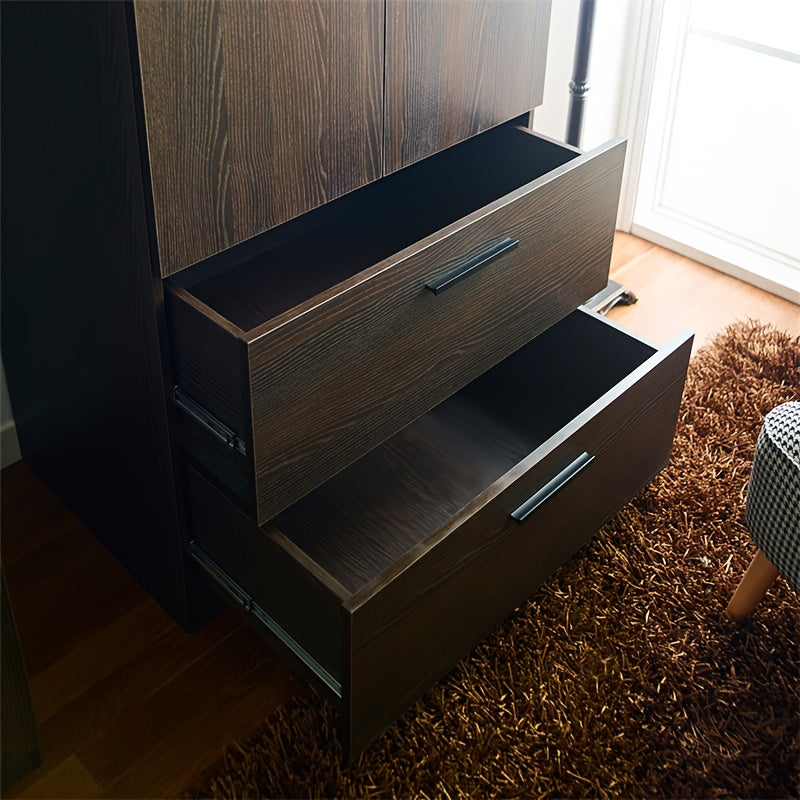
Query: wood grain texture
[(406, 634), (81, 315), (676, 292), (455, 68), (256, 112), (247, 667), (411, 486), (101, 688), (405, 349), (415, 483), (118, 687), (294, 267)]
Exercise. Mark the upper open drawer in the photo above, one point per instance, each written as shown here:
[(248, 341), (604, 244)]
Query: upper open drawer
[(317, 341)]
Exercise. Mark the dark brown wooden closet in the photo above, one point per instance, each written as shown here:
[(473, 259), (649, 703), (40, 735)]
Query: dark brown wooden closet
[(291, 311)]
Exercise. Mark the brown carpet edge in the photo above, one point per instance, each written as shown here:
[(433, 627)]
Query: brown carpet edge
[(621, 676)]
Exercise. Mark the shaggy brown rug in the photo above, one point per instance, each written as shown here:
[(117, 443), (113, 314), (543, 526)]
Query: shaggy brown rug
[(621, 676)]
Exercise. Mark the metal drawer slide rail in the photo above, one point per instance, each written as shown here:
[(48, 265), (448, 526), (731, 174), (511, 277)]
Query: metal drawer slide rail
[(205, 418), (237, 593)]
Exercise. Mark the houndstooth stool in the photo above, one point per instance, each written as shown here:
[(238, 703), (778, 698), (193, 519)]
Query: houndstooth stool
[(773, 509)]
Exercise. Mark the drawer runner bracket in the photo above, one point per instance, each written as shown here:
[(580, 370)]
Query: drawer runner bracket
[(233, 590), (211, 423)]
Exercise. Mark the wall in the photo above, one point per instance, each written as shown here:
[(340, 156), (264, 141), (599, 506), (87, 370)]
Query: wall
[(610, 70)]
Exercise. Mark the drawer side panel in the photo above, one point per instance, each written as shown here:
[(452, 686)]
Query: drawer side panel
[(297, 601), (207, 361)]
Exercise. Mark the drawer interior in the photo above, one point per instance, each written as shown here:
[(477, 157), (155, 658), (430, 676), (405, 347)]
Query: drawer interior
[(360, 522), (264, 277)]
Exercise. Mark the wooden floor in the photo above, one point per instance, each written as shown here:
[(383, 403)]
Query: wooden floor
[(676, 293), (131, 706)]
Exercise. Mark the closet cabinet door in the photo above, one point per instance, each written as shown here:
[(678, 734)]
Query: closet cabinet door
[(457, 67), (255, 112)]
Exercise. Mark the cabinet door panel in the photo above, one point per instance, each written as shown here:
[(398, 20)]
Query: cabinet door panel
[(255, 113), (457, 67)]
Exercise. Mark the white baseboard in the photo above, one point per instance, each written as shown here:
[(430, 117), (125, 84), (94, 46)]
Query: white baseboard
[(9, 444)]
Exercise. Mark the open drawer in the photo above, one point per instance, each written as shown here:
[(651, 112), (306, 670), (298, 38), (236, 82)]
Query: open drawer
[(305, 348), (382, 578)]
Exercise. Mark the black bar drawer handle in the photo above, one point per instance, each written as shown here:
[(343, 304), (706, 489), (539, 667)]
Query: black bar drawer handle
[(453, 276), (552, 486)]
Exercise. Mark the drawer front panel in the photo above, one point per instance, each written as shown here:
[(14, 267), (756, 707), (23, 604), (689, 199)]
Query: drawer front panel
[(411, 631), (302, 613), (329, 385)]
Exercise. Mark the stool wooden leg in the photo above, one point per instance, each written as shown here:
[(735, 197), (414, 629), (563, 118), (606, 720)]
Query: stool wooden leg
[(755, 582)]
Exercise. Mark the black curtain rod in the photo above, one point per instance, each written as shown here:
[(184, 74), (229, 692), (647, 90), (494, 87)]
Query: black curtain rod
[(579, 86)]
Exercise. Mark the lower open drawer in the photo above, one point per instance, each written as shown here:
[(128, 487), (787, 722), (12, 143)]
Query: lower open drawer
[(380, 580)]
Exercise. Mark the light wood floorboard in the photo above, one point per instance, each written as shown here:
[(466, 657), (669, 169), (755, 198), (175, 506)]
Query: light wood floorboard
[(676, 294), (128, 704)]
